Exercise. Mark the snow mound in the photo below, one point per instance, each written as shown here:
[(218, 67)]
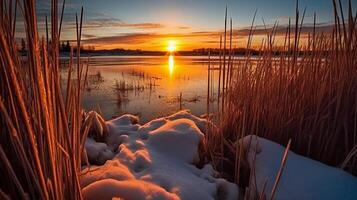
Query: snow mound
[(302, 177), (134, 189), (185, 114), (97, 152), (111, 169), (153, 161), (186, 143)]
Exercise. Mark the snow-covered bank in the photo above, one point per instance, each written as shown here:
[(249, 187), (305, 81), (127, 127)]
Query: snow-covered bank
[(302, 178), (153, 161), (157, 161)]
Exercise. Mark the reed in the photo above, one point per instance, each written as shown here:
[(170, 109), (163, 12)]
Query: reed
[(307, 94), (124, 86), (42, 133)]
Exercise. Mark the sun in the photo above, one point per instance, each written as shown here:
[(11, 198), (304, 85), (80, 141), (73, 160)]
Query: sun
[(172, 46)]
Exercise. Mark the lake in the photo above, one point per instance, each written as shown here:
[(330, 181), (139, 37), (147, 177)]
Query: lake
[(147, 86)]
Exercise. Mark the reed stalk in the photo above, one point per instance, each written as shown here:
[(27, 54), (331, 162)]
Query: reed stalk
[(42, 140), (303, 91)]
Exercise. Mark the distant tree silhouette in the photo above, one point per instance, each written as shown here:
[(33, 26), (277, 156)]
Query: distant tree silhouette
[(23, 45), (68, 47), (63, 47)]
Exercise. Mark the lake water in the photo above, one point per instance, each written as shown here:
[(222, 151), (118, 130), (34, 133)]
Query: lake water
[(147, 86)]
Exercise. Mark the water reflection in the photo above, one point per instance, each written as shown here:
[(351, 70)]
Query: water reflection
[(171, 64), (148, 86)]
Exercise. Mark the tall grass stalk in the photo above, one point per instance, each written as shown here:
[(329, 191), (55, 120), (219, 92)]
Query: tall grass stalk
[(42, 134), (306, 93)]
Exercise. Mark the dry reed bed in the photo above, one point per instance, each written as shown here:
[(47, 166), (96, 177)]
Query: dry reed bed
[(42, 134), (307, 93)]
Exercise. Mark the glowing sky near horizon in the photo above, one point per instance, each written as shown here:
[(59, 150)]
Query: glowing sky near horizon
[(150, 24)]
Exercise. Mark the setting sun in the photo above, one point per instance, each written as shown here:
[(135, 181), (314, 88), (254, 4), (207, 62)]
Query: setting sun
[(172, 46)]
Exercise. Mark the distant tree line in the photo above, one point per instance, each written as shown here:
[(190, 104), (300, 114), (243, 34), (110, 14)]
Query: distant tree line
[(244, 51), (64, 46)]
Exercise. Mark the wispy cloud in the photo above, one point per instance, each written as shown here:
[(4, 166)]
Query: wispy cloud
[(88, 36), (204, 38), (138, 38), (92, 19), (129, 38), (281, 29), (97, 23)]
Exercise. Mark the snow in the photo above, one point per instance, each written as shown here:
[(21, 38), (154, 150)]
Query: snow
[(98, 152), (186, 143), (158, 160), (302, 178), (127, 189), (152, 161)]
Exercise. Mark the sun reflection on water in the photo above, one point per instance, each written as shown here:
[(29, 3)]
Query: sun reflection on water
[(159, 79), (171, 64)]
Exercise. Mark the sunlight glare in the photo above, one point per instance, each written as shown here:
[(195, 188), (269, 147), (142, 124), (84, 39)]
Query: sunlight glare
[(172, 46)]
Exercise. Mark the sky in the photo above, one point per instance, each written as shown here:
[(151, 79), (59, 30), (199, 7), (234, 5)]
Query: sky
[(150, 24)]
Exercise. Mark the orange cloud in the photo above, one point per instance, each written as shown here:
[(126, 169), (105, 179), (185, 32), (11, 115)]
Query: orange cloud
[(192, 40)]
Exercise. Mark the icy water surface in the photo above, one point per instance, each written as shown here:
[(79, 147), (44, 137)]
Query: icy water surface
[(147, 86)]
